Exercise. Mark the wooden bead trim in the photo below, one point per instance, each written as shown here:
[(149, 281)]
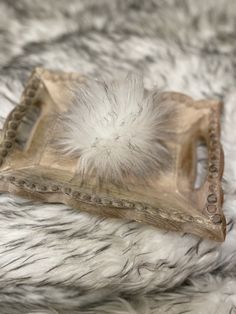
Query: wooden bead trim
[(95, 199), (213, 168), (16, 117)]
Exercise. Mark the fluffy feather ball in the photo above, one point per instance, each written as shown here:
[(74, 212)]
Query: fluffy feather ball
[(117, 130)]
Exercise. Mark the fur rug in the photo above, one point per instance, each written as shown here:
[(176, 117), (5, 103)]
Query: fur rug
[(55, 260)]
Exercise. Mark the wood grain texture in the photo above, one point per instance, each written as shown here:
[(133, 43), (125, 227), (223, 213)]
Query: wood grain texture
[(32, 167)]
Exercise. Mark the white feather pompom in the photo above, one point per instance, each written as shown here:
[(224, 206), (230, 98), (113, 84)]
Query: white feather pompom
[(116, 130)]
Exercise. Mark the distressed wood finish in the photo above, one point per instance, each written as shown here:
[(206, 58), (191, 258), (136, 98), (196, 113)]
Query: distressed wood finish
[(32, 167)]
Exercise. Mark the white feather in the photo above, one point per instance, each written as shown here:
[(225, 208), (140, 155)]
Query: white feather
[(116, 130)]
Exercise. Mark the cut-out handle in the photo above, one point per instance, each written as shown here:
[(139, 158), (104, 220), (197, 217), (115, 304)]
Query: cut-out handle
[(27, 126), (201, 163)]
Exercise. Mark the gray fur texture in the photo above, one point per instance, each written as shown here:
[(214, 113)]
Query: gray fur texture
[(55, 260)]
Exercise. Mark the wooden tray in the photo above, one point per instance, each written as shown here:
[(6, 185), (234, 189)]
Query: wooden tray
[(31, 167)]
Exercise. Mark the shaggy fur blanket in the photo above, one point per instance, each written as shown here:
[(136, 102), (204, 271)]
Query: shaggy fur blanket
[(55, 260)]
